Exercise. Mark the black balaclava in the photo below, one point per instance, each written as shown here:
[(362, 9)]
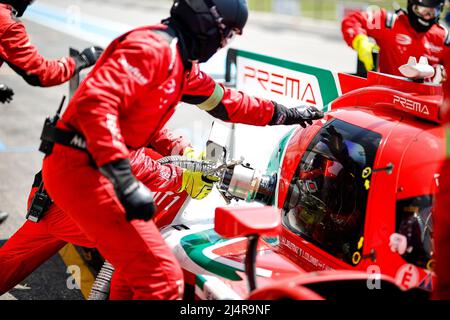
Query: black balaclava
[(19, 5), (417, 22), (204, 23)]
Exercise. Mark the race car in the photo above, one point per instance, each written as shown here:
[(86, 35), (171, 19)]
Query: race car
[(344, 209), (354, 193)]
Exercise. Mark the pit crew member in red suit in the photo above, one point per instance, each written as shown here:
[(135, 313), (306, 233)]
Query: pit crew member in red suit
[(415, 32), (34, 243), (128, 96), (17, 51)]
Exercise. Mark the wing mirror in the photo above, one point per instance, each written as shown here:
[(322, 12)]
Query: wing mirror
[(249, 222), (218, 141)]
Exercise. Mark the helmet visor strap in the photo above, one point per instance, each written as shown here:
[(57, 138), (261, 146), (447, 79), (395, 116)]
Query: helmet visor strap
[(228, 37), (427, 13)]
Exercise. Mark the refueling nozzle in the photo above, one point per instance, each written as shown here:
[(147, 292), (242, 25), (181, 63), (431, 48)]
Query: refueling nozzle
[(245, 183)]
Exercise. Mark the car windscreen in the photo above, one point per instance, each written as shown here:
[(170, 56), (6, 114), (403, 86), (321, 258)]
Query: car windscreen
[(327, 197), (414, 227)]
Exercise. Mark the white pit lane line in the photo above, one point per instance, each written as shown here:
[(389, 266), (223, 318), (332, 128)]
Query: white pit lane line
[(97, 30)]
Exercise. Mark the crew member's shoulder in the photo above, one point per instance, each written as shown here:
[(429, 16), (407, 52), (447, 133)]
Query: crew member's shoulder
[(442, 33), (148, 37), (440, 29), (7, 18), (152, 45), (396, 17)]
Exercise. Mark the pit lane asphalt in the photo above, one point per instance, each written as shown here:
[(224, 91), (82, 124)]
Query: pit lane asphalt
[(21, 120)]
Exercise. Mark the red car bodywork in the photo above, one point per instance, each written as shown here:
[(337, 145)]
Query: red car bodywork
[(404, 115)]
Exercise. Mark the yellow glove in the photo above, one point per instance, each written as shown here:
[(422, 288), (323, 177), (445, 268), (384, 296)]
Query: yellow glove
[(365, 48), (190, 153), (196, 184)]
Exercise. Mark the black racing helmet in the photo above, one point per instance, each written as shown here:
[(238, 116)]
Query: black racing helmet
[(423, 14), (209, 25), (19, 5)]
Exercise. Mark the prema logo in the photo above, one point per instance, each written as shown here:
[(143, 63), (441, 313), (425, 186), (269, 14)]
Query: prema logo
[(411, 105), (280, 84)]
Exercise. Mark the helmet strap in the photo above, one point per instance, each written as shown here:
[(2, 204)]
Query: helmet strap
[(183, 40), (417, 22), (216, 15)]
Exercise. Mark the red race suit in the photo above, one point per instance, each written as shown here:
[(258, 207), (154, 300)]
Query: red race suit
[(34, 243), (18, 52), (121, 105), (396, 38)]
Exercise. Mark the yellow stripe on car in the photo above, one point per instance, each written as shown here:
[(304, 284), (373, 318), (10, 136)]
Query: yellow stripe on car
[(78, 268)]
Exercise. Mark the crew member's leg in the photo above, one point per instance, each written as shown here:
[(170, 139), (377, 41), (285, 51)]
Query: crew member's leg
[(136, 249), (25, 251), (35, 243)]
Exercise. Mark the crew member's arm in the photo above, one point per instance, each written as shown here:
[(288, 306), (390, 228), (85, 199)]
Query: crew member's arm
[(109, 91), (157, 177), (24, 58), (371, 24), (357, 27), (167, 143), (231, 105), (105, 93)]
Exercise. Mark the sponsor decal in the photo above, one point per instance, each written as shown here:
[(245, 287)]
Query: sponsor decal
[(403, 39), (407, 276), (134, 71), (292, 87), (398, 243), (374, 279), (111, 124), (299, 252), (427, 282), (411, 105), (287, 82), (431, 59), (170, 87), (165, 174), (78, 141), (432, 47)]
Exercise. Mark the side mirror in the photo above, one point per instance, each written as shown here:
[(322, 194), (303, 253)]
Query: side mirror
[(75, 80), (216, 146), (249, 222)]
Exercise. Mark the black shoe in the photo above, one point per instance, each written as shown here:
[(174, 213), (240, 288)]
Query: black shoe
[(3, 216)]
